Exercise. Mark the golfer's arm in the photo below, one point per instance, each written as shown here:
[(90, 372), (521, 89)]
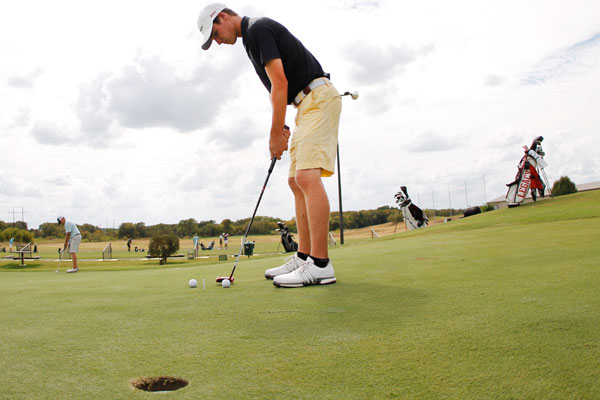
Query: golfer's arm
[(67, 239), (279, 89)]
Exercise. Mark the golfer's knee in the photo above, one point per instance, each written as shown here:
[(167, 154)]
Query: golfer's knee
[(306, 181), (294, 185)]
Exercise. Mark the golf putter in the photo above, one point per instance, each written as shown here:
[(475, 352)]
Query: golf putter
[(230, 277)]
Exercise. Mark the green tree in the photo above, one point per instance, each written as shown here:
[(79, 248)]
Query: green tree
[(563, 186), (21, 225), (52, 230), (141, 230), (126, 229), (98, 236), (163, 246), (20, 235), (187, 227), (87, 228), (227, 224), (396, 217)]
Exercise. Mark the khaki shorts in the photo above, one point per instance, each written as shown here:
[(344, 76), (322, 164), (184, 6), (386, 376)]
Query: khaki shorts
[(314, 143), (74, 246)]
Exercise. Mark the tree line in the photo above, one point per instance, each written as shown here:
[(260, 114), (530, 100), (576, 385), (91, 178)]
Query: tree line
[(210, 228)]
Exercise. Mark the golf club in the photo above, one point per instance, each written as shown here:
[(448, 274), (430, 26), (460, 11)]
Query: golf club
[(353, 94), (60, 253), (230, 277)]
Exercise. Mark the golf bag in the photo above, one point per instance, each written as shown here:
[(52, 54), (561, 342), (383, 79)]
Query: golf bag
[(528, 175), (210, 247), (414, 217), (286, 238), (471, 211)]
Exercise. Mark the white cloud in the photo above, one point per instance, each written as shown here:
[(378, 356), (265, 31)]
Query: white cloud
[(373, 64), (26, 80), (494, 80), (433, 142), (577, 58), (51, 133)]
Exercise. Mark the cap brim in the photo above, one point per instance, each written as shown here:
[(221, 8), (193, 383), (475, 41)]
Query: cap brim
[(208, 41), (207, 44)]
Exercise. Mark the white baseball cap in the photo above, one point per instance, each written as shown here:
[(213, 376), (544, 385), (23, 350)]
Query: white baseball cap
[(205, 21)]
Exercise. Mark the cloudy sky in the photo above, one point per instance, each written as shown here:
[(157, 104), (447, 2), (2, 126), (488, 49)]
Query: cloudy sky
[(110, 112)]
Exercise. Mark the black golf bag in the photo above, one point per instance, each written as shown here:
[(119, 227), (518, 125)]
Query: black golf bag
[(209, 247), (286, 238), (528, 175), (471, 211), (414, 217)]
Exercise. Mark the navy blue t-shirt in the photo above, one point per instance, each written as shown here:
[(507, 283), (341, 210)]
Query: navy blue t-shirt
[(265, 40)]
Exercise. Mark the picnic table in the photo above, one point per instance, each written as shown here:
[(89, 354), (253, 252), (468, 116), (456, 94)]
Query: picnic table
[(21, 251)]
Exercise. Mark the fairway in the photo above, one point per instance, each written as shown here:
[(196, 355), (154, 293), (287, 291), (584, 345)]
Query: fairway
[(501, 305)]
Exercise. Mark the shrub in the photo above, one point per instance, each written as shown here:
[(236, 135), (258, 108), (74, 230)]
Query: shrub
[(20, 235), (563, 186), (163, 246), (487, 207)]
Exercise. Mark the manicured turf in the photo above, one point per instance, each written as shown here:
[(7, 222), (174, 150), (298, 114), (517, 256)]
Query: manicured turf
[(500, 305)]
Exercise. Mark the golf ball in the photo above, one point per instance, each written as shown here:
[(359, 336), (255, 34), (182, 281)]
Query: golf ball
[(226, 283), (193, 283)]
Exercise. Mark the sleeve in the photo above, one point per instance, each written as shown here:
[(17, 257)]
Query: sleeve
[(267, 46)]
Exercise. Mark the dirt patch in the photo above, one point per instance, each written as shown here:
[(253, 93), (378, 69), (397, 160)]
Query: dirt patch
[(159, 383)]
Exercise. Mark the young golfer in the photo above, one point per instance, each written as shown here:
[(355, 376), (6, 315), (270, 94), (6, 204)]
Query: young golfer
[(293, 76), (72, 241)]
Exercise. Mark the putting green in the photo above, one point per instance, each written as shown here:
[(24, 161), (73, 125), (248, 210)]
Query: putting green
[(504, 304)]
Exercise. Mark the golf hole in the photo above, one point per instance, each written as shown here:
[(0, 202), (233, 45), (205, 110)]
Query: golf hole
[(159, 383)]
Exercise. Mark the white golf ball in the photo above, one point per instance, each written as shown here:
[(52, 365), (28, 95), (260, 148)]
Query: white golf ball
[(226, 283), (193, 283)]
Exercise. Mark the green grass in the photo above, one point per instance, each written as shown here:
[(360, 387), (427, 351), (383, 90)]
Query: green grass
[(500, 305)]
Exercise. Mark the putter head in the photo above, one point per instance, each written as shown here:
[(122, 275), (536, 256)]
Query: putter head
[(222, 278)]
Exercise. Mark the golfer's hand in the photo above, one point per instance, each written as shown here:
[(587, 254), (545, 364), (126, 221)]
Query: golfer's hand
[(278, 142)]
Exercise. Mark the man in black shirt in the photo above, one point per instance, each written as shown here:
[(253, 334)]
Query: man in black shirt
[(292, 75)]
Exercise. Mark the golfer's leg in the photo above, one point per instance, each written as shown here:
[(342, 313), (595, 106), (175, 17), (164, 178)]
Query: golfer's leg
[(317, 209), (74, 257), (301, 217)]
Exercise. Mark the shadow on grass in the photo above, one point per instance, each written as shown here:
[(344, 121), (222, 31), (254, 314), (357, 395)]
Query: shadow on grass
[(18, 266)]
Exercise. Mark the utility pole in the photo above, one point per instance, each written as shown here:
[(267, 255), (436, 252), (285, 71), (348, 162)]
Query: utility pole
[(13, 212), (484, 191)]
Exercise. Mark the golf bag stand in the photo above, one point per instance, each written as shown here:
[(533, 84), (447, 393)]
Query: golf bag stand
[(289, 244), (414, 217)]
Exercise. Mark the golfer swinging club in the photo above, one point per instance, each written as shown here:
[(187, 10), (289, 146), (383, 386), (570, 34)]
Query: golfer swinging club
[(72, 240), (292, 75)]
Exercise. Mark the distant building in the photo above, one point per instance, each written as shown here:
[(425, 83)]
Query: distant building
[(500, 202)]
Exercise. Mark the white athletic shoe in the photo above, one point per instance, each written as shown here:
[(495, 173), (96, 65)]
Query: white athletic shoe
[(291, 263), (71, 270), (307, 274)]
